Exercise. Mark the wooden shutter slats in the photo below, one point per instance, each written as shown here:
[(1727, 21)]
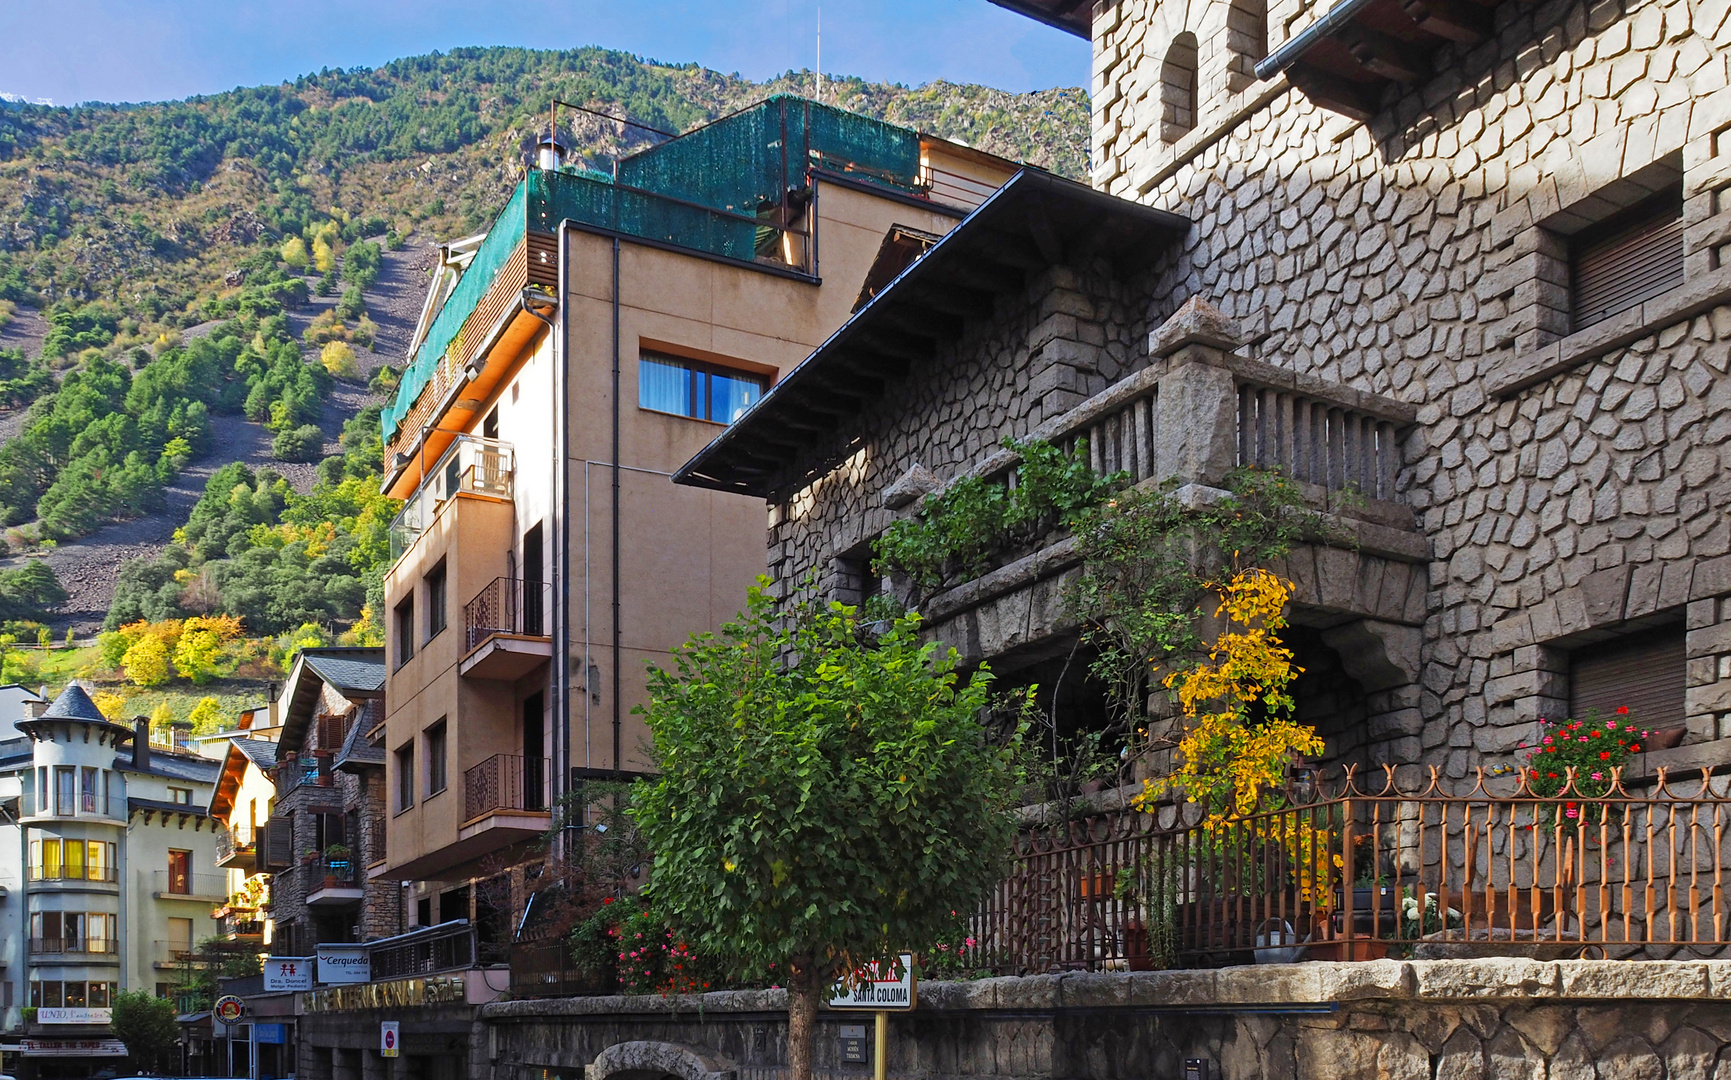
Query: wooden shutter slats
[(1635, 263), (1644, 672)]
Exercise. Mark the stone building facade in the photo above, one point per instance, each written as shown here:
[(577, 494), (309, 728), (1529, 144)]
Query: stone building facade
[(1547, 480), (327, 822)]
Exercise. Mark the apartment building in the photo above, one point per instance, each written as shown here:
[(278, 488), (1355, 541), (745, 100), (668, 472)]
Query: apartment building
[(113, 887), (600, 333)]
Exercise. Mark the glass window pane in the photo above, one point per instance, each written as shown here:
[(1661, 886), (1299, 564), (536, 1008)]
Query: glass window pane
[(664, 386), (731, 395), (75, 995), (51, 993), (99, 995), (50, 859), (74, 858)]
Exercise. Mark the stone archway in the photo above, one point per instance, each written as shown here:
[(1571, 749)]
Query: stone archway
[(646, 1060)]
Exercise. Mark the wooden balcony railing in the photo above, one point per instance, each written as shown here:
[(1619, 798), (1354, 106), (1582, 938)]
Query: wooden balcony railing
[(1356, 874), (505, 782)]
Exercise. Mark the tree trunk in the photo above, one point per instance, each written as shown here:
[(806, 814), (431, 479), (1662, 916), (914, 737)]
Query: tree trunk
[(804, 987)]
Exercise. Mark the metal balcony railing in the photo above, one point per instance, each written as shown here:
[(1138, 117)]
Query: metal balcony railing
[(331, 873), (299, 770), (505, 782), (446, 947), (233, 841), (72, 873), (470, 466), (107, 947), (213, 887), (61, 945), (507, 605), (74, 805), (173, 952)]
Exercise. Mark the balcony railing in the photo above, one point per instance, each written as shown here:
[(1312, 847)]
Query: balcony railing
[(180, 883), (1358, 873), (446, 947), (80, 804), (507, 605), (62, 945), (304, 770), (504, 782), (232, 842), (72, 873), (954, 189), (330, 873), (173, 952), (470, 466)]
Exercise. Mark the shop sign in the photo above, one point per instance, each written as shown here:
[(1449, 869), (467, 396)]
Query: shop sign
[(272, 1034), (56, 1015), (228, 1008), (344, 964), (286, 973), (73, 1047)]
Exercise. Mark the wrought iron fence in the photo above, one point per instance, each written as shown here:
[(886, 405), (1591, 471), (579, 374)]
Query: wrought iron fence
[(1594, 869), (507, 605), (505, 782)]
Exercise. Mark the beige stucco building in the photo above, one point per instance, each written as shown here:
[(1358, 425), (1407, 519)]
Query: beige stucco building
[(567, 363)]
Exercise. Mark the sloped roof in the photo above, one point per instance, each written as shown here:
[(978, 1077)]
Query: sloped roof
[(358, 751), (360, 671), (1071, 16), (257, 753), (1034, 221), (74, 704)]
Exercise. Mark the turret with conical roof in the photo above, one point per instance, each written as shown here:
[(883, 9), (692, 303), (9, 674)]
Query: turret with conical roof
[(71, 711)]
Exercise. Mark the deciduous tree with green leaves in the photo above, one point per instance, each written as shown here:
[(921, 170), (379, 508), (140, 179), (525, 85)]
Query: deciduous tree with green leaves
[(822, 801), (145, 1023)]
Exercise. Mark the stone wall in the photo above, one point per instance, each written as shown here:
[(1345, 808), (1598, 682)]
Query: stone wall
[(1382, 1020), (1570, 485), (1070, 335)]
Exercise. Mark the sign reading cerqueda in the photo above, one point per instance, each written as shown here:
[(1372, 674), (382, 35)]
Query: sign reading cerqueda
[(397, 993), (881, 987)]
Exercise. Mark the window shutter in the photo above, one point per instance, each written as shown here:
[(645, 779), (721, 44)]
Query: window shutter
[(1643, 672), (1632, 257), (278, 844)]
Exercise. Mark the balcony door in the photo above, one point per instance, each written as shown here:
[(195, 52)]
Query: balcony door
[(180, 872), (534, 752), (533, 614)]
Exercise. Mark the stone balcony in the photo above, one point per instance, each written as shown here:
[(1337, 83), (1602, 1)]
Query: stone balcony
[(1197, 413)]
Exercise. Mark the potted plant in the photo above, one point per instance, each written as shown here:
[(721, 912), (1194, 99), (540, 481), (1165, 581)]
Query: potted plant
[(309, 856), (336, 865)]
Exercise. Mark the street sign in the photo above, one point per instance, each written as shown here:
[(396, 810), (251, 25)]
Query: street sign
[(286, 973), (883, 989), (229, 1009), (388, 1038)]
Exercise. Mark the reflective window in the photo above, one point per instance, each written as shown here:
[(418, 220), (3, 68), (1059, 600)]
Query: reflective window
[(703, 391)]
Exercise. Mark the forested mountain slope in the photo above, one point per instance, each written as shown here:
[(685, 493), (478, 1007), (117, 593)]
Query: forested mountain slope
[(191, 284)]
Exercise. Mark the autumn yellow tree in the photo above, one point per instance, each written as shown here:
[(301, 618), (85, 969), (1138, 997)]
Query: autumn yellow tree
[(1239, 734), (338, 357), (146, 661), (294, 252), (199, 647)]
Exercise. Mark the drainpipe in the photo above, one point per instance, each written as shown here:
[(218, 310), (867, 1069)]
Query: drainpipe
[(560, 727), (618, 657), (1287, 55)]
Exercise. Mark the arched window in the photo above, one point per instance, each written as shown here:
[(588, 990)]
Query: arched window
[(1178, 88), (1246, 41)]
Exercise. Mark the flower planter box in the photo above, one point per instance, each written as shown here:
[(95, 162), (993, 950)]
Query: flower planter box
[(1350, 949)]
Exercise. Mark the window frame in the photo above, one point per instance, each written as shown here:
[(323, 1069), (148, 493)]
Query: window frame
[(405, 793), (695, 368), (436, 741), (403, 615), (437, 583)]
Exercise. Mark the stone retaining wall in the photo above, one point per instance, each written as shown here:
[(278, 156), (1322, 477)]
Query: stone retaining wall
[(1384, 1020)]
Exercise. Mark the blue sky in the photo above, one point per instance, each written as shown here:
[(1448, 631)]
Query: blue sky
[(149, 50)]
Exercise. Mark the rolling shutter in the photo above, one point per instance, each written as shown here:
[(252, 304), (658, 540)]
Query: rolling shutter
[(1644, 672), (1629, 258)]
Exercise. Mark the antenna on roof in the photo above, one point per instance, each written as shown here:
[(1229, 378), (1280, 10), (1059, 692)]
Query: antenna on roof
[(819, 72)]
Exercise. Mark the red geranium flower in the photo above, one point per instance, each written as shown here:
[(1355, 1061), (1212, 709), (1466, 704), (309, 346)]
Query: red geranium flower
[(1622, 710)]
